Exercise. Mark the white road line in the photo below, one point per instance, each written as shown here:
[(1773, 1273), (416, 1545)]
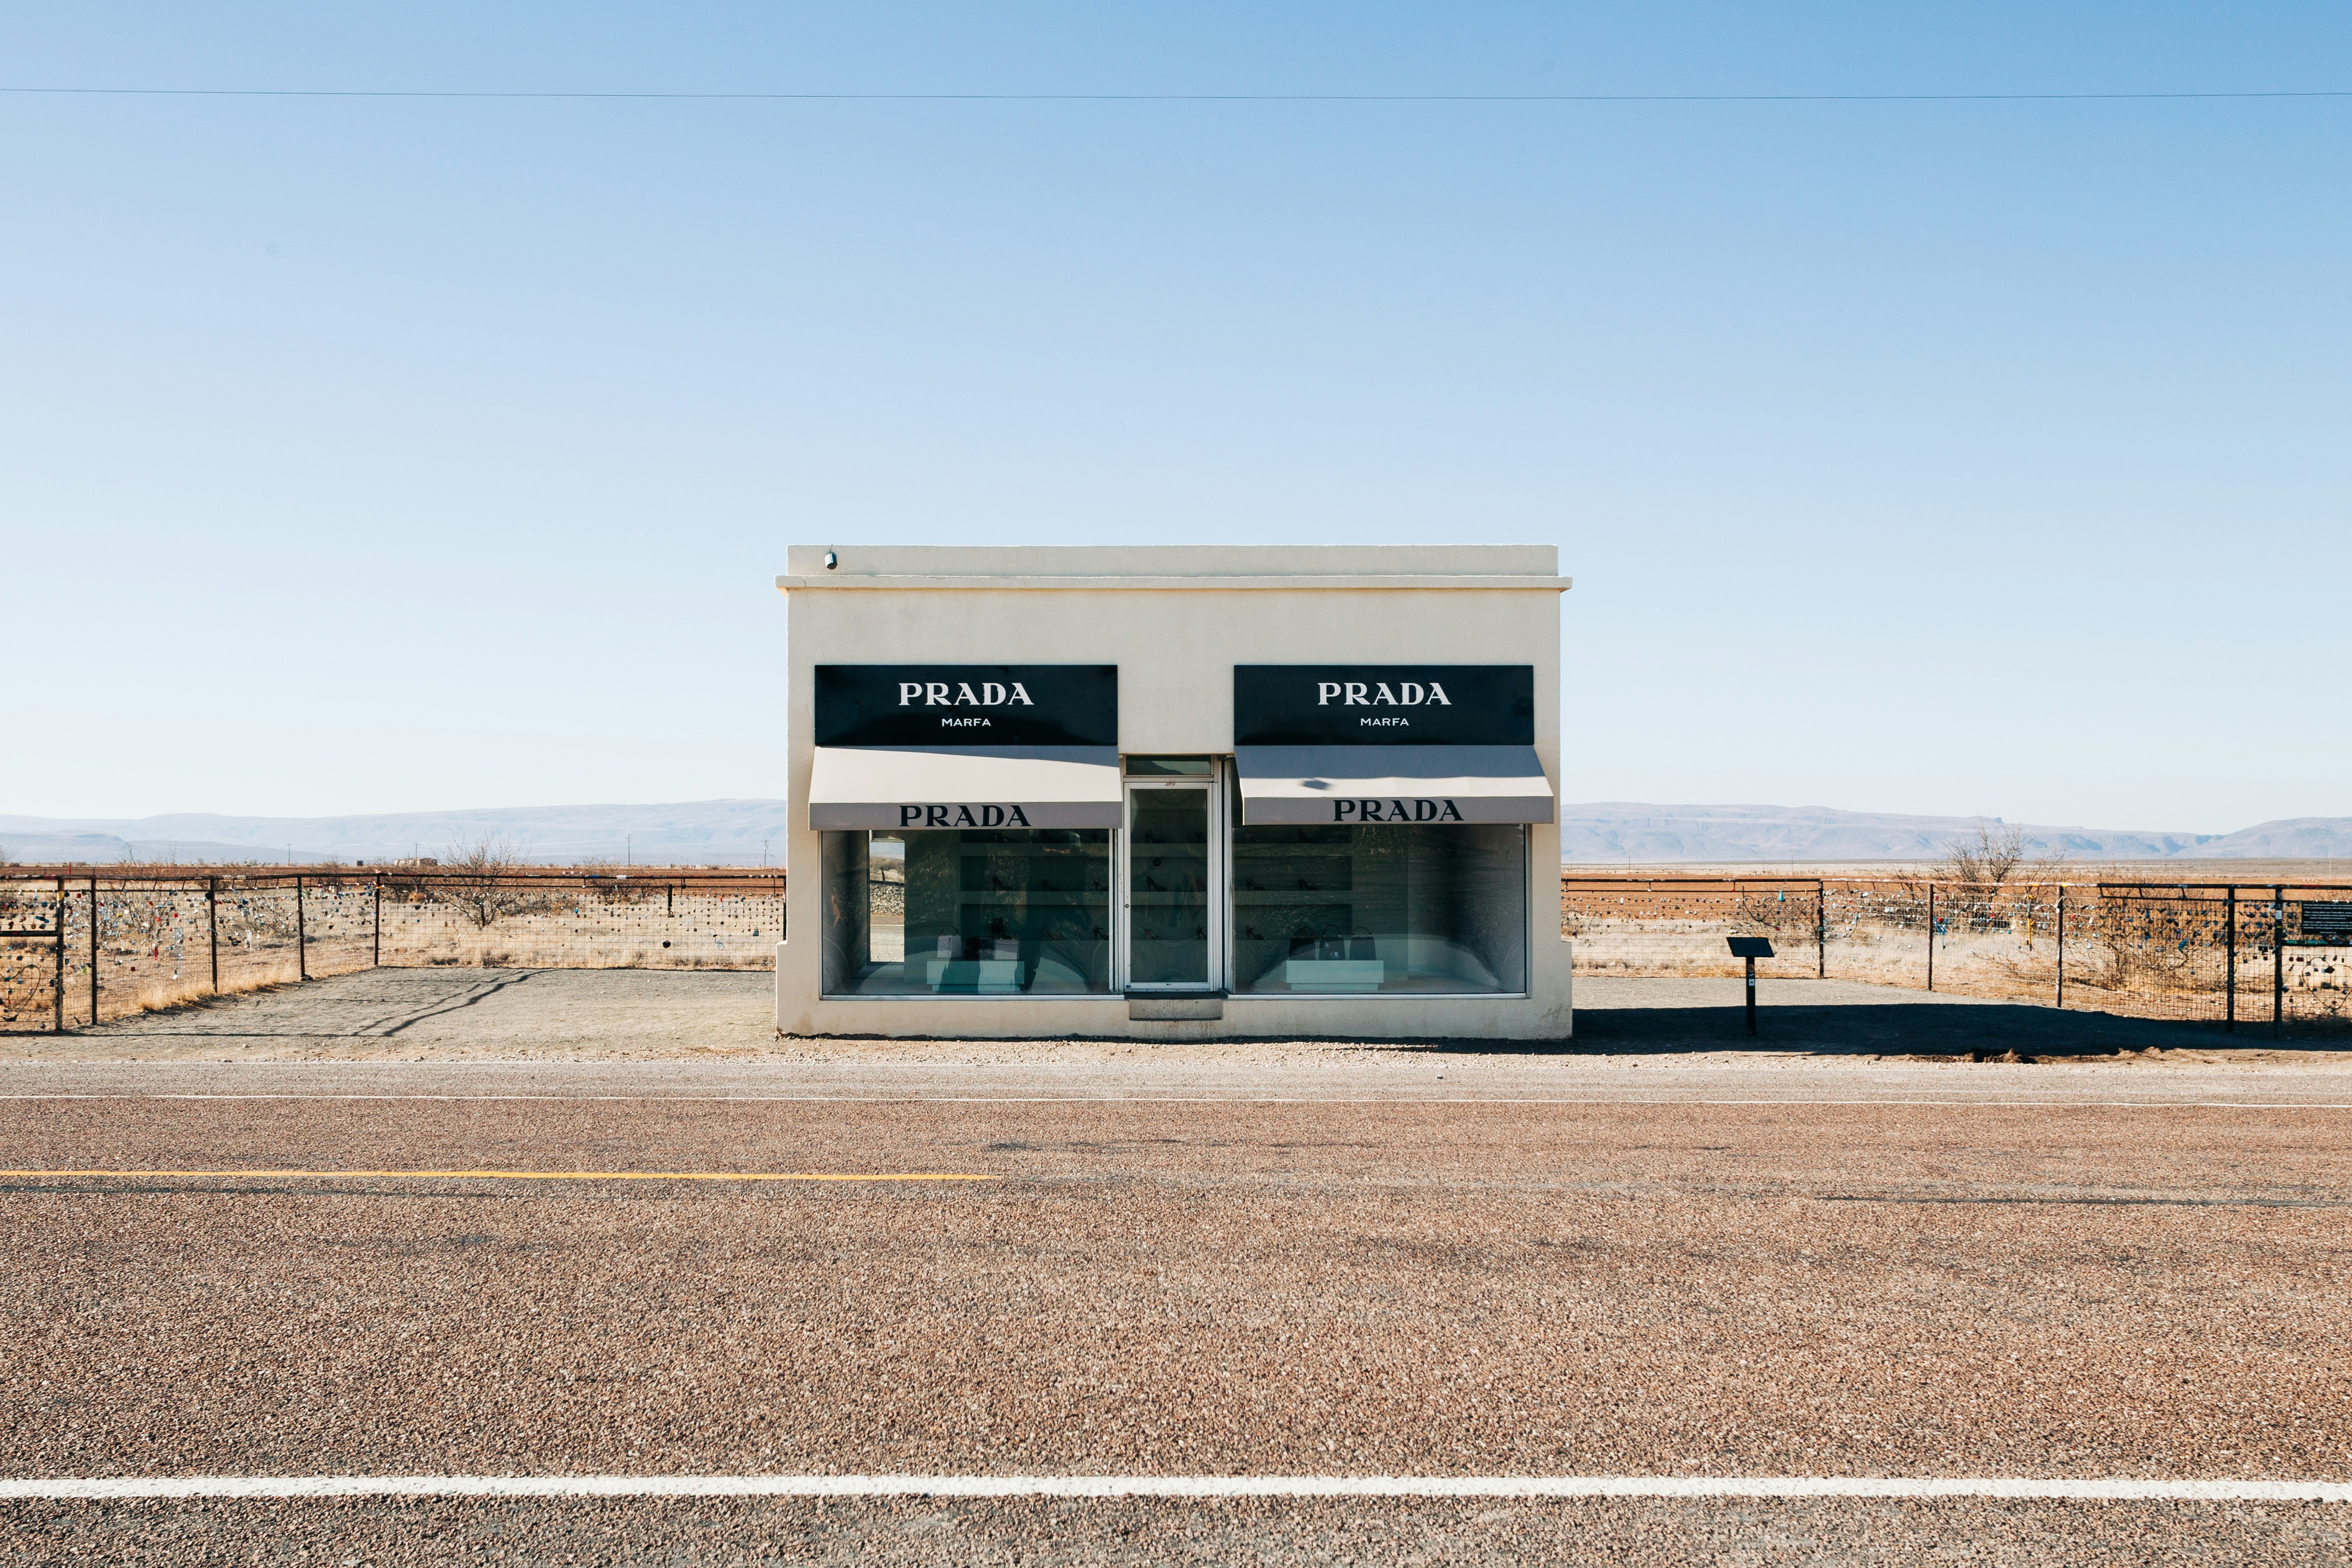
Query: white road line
[(2098, 1489), (1400, 1099)]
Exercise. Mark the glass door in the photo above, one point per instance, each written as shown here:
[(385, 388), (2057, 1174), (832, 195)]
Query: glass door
[(1173, 882)]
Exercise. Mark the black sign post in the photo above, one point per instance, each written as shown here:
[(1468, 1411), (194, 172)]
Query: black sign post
[(1750, 947)]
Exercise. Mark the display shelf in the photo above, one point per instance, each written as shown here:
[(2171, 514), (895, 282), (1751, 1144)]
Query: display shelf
[(1334, 974), (986, 977), (1047, 899), (1261, 898)]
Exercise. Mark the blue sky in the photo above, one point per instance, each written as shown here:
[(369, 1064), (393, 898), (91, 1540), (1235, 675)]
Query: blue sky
[(1968, 458)]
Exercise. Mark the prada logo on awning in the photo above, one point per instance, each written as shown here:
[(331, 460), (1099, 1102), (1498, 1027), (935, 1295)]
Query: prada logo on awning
[(1394, 810), (962, 816)]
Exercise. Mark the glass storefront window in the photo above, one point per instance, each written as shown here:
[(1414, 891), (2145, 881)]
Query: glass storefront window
[(1349, 909), (969, 912)]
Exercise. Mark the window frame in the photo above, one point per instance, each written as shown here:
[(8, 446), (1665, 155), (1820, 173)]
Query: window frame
[(927, 998), (1216, 782), (1526, 938)]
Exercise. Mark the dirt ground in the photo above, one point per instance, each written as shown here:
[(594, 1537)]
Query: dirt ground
[(634, 1014)]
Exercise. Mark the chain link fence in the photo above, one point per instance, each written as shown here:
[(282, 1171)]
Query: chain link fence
[(79, 947), (2235, 955)]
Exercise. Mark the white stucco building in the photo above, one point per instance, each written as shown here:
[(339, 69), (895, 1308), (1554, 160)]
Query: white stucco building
[(1174, 791)]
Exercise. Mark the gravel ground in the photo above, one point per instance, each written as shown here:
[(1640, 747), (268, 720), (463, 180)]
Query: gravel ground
[(1299, 1259), (911, 1532), (541, 1015)]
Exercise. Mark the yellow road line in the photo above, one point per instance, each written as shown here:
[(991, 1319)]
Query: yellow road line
[(546, 1176)]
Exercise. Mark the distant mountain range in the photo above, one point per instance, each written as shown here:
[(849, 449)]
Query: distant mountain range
[(1623, 831), (753, 832), (695, 833)]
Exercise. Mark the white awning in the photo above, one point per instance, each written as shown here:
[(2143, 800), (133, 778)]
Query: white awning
[(1424, 784), (905, 788)]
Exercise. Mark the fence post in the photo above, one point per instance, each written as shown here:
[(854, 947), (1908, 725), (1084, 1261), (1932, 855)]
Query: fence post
[(2278, 958), (212, 926), (57, 998), (301, 941), (93, 953), (1931, 936), (2062, 946), (375, 943), (1821, 930), (2230, 986)]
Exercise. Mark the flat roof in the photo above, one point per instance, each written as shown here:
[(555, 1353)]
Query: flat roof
[(1155, 567)]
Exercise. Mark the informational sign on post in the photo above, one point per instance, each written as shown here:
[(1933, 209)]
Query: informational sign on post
[(2323, 924), (1750, 947)]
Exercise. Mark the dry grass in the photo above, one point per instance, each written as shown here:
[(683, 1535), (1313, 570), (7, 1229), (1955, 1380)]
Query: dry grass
[(2157, 953)]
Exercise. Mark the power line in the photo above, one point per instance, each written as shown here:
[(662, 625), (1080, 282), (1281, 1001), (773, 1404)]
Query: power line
[(1595, 98)]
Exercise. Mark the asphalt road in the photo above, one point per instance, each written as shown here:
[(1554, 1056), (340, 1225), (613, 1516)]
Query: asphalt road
[(1305, 1260)]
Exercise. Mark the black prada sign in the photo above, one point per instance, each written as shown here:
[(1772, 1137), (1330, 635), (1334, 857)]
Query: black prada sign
[(967, 705), (1384, 705), (1420, 809), (989, 815)]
